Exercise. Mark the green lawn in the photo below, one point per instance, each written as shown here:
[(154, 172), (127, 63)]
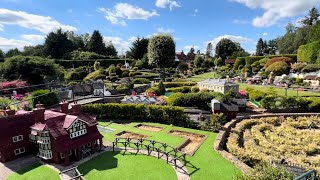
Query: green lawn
[(36, 171), (206, 162), (115, 165), (203, 76), (280, 91)]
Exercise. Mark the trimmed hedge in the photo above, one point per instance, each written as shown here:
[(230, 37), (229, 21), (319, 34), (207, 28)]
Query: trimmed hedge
[(141, 81), (309, 53), (44, 97), (199, 100), (311, 68), (178, 84), (247, 61), (278, 59), (146, 113), (89, 62), (183, 89)]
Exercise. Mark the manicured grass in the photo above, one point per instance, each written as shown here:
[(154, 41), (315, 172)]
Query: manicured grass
[(203, 76), (36, 171), (280, 91), (206, 163), (119, 165)]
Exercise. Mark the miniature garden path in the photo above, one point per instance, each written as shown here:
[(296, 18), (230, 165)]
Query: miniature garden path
[(6, 169)]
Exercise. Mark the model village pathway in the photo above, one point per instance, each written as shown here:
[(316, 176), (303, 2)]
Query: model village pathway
[(12, 166)]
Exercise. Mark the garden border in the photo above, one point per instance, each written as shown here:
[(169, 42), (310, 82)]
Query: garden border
[(221, 140)]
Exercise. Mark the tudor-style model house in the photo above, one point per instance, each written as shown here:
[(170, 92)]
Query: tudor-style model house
[(54, 136)]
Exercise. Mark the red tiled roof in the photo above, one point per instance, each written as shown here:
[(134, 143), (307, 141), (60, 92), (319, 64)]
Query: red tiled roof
[(230, 61), (311, 77), (38, 127), (68, 121), (181, 56)]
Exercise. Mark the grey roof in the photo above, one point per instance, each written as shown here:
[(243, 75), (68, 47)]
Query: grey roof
[(139, 99), (216, 82)]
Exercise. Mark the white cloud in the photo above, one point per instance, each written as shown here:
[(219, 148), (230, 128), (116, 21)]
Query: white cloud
[(239, 39), (164, 30), (265, 34), (44, 24), (123, 11), (1, 27), (195, 12), (132, 38), (164, 3), (275, 10), (238, 21), (34, 38), (118, 43), (6, 44), (188, 47)]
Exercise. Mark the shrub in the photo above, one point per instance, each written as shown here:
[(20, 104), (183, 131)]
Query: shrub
[(179, 84), (123, 89), (252, 59), (125, 74), (195, 89), (200, 100), (141, 81), (168, 79), (309, 53), (112, 77), (199, 70), (183, 66), (154, 90), (84, 55), (162, 88), (95, 75), (278, 68), (278, 59), (311, 68), (148, 113), (183, 89), (90, 62), (297, 67), (240, 63), (45, 97), (314, 104)]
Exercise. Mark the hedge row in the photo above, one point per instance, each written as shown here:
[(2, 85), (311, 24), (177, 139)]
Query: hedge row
[(146, 113), (178, 84), (90, 62), (45, 97), (183, 89), (240, 62), (309, 53), (200, 100)]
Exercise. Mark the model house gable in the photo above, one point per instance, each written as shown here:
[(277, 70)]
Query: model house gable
[(77, 128)]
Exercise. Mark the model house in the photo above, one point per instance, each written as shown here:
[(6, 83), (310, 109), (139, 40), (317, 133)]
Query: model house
[(229, 109), (54, 136), (139, 99), (181, 57), (218, 85), (314, 80)]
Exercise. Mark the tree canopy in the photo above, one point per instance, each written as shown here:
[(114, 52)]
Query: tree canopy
[(227, 48), (96, 43), (57, 44), (139, 48)]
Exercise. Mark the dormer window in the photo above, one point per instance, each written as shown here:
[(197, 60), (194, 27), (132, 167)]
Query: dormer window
[(77, 129)]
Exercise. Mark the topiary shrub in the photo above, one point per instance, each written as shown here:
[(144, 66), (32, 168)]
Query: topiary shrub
[(297, 67), (141, 81), (45, 97), (278, 68), (162, 88), (309, 53), (95, 75), (278, 59), (311, 68)]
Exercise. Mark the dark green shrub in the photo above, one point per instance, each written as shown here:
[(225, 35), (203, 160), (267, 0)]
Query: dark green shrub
[(195, 89), (179, 84), (199, 70), (141, 81), (162, 88), (112, 77), (252, 59), (168, 79), (240, 61), (125, 74), (314, 104), (95, 75), (123, 89), (44, 97), (148, 113), (311, 68), (90, 62)]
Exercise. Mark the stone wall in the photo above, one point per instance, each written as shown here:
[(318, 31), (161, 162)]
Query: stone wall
[(221, 140)]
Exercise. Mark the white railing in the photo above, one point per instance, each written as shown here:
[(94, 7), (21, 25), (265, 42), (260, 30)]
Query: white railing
[(45, 154)]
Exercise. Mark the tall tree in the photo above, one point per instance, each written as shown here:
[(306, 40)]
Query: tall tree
[(85, 38), (272, 46), (198, 51), (265, 49), (76, 40), (13, 52), (225, 48), (314, 34), (259, 48), (239, 52), (139, 48), (111, 50), (2, 55), (191, 54), (96, 43), (57, 44), (209, 50), (312, 17), (161, 51), (198, 61), (33, 50)]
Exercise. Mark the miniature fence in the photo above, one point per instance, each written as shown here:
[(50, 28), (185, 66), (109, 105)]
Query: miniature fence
[(150, 145), (310, 175), (69, 173)]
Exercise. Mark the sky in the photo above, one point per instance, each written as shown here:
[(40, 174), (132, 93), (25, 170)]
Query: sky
[(192, 23)]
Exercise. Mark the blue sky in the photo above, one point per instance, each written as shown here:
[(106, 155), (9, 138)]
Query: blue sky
[(191, 22)]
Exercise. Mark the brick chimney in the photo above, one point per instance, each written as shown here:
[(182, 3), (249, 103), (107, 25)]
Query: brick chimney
[(39, 113), (64, 106), (76, 108)]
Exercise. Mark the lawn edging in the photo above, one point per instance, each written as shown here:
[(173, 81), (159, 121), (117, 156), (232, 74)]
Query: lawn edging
[(221, 140)]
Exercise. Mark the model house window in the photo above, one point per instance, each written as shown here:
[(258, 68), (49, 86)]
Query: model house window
[(19, 151), (17, 138), (78, 129), (61, 155)]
